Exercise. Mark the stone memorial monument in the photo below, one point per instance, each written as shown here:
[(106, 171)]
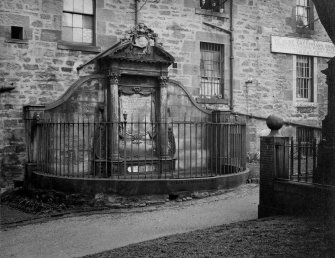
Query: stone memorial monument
[(326, 158)]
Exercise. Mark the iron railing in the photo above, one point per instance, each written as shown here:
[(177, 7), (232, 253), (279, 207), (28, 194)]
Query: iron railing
[(298, 161), (308, 134), (303, 160), (137, 150)]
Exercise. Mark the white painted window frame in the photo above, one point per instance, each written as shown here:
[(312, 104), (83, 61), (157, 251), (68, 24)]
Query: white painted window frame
[(296, 101)]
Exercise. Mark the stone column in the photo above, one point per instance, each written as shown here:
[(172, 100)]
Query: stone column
[(274, 163), (163, 116), (326, 157), (113, 115)]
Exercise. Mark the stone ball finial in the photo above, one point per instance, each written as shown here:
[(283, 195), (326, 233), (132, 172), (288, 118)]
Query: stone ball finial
[(274, 123)]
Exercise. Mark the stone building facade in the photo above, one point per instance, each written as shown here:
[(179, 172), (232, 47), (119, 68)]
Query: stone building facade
[(224, 45)]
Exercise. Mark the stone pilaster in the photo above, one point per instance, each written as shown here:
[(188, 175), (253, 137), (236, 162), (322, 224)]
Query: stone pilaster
[(113, 114), (163, 116)]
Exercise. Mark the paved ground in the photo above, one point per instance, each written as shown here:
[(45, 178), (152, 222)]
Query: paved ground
[(269, 237), (77, 236)]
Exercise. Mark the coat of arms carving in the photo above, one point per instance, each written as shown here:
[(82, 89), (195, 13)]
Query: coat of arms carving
[(142, 39)]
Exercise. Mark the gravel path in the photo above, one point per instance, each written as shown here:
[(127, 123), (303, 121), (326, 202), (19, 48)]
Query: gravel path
[(78, 236), (269, 237)]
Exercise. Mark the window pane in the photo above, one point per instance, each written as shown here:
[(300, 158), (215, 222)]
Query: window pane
[(88, 6), (67, 33), (211, 68), (87, 22), (87, 36), (302, 21), (213, 5), (77, 35), (216, 5), (301, 11), (77, 20), (304, 77), (68, 5), (78, 6), (67, 19), (216, 56)]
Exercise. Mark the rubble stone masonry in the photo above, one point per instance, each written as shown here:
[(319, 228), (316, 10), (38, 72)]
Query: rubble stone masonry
[(41, 67)]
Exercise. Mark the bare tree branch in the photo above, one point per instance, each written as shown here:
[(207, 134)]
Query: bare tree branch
[(144, 3)]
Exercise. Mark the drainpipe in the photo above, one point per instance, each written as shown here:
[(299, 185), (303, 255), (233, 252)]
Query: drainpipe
[(231, 56), (136, 13), (231, 61)]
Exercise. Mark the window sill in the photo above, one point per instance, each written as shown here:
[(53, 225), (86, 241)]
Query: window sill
[(78, 47), (17, 41), (304, 104), (306, 107), (211, 13), (304, 31), (211, 101)]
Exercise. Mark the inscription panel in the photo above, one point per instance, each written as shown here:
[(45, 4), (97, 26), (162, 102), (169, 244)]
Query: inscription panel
[(300, 46), (137, 136), (138, 108)]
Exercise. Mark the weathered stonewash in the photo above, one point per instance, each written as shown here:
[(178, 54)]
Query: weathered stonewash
[(41, 67)]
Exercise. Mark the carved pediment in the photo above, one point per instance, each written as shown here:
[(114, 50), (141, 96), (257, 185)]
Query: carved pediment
[(138, 45), (147, 53)]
